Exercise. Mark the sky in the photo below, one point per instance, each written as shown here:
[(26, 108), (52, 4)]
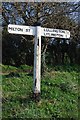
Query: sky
[(38, 1)]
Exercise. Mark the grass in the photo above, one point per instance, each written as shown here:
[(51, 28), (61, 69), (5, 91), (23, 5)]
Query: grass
[(59, 93)]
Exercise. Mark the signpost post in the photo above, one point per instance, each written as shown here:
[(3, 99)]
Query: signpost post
[(37, 62), (37, 31)]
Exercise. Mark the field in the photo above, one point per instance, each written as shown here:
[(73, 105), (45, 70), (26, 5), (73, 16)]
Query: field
[(59, 93)]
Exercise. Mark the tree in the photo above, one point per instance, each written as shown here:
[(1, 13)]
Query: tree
[(54, 15)]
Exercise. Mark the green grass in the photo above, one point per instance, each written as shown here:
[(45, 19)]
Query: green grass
[(59, 93)]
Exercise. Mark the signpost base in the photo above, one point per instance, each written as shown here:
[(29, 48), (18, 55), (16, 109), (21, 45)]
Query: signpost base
[(36, 97)]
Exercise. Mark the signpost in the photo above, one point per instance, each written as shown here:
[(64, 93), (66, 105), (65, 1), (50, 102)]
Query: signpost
[(21, 29), (37, 31), (57, 33), (30, 30)]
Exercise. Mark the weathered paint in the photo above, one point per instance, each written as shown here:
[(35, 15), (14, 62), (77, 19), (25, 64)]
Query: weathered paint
[(37, 60)]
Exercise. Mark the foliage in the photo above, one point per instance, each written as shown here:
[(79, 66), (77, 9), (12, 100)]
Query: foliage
[(59, 93), (18, 49)]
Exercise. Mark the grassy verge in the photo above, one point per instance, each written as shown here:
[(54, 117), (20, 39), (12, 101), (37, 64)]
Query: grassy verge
[(59, 93)]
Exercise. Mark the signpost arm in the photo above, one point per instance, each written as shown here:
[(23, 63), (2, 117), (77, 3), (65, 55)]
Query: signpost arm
[(37, 63)]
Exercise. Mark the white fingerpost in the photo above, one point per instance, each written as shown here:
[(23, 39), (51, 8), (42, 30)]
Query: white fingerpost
[(37, 31), (37, 62)]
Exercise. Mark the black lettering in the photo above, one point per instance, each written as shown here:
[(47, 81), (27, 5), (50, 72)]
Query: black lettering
[(10, 28), (53, 34), (56, 31), (47, 33), (56, 35), (15, 29), (60, 35), (18, 29), (61, 31), (27, 30)]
